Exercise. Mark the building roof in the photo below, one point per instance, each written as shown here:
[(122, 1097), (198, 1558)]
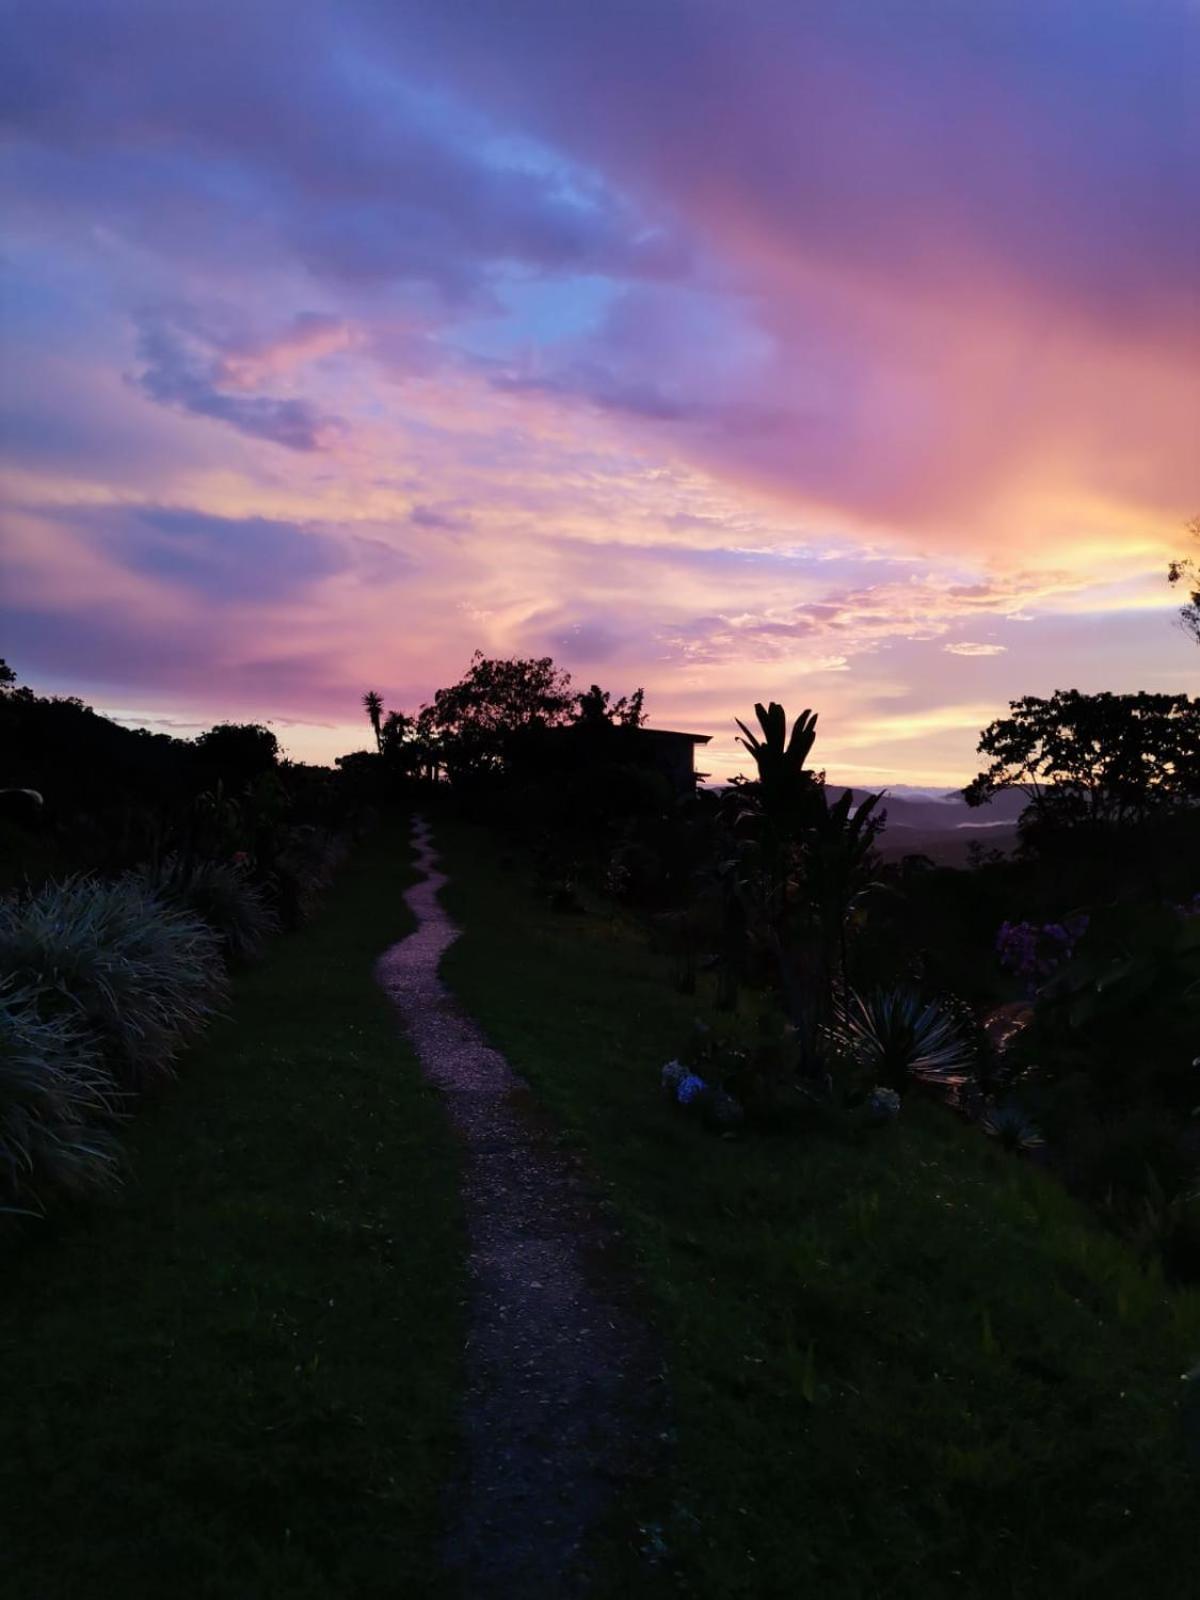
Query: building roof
[(671, 733)]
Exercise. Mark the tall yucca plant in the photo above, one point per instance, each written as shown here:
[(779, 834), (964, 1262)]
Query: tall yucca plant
[(373, 706), (140, 975), (55, 1101)]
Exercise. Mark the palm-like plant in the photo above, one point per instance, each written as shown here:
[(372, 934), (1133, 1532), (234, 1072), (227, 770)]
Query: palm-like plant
[(768, 818), (897, 1037), (373, 706), (781, 761), (838, 862)]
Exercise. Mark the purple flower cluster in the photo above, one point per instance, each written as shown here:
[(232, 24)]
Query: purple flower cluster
[(1035, 950)]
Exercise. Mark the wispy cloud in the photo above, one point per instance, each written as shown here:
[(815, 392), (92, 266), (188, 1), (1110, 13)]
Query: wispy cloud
[(179, 370)]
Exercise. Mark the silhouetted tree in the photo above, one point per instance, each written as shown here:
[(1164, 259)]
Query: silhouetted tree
[(373, 705), (395, 733), (1098, 759), (495, 708), (238, 752), (1187, 571), (597, 709)]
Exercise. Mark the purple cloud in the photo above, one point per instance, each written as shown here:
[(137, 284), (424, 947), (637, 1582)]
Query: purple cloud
[(178, 371)]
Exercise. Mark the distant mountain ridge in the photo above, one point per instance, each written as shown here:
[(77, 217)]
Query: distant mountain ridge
[(942, 810), (940, 823)]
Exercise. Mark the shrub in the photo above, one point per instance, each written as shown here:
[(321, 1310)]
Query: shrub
[(54, 1098), (139, 974), (1120, 1160), (1035, 951), (1126, 1009), (221, 894), (303, 869), (895, 1038), (1178, 1239)]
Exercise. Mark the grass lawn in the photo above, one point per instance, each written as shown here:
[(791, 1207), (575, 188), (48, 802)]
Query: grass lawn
[(238, 1378), (905, 1365)]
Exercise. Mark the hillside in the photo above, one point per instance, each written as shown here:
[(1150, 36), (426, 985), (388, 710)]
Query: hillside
[(942, 825)]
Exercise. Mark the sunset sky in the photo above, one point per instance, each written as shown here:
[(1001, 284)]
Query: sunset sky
[(844, 354)]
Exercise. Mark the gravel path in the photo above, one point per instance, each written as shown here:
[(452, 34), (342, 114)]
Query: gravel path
[(563, 1381)]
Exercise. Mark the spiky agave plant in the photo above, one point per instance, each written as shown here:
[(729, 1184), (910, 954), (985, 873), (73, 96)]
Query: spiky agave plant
[(898, 1038), (221, 894), (56, 1100), (140, 975), (1012, 1128)]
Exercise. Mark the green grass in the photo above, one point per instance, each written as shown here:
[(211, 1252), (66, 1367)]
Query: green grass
[(238, 1378), (903, 1365)]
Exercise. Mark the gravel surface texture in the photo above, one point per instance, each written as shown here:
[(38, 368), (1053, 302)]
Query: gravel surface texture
[(564, 1399)]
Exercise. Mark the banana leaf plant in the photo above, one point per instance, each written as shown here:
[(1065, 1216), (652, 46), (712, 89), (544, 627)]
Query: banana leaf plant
[(786, 784)]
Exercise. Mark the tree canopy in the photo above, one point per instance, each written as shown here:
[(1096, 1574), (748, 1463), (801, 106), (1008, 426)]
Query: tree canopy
[(597, 708), (1094, 758), (238, 752), (495, 703)]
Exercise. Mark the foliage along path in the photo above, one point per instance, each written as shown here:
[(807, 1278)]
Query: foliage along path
[(563, 1381)]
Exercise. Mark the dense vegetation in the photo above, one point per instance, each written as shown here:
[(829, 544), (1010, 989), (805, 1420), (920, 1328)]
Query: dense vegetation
[(848, 1108), (903, 1362), (177, 861), (237, 1374), (1052, 997)]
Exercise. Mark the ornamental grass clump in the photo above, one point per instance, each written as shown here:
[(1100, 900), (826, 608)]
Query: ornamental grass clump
[(222, 894), (138, 975), (56, 1102)]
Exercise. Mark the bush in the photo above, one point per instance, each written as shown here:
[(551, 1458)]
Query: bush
[(54, 1098), (140, 975), (1178, 1239), (302, 871), (1120, 1161), (221, 894)]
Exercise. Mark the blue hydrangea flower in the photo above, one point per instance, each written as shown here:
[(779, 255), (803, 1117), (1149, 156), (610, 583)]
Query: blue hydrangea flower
[(673, 1075), (691, 1087)]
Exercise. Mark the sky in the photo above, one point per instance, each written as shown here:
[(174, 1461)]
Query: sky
[(843, 354)]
